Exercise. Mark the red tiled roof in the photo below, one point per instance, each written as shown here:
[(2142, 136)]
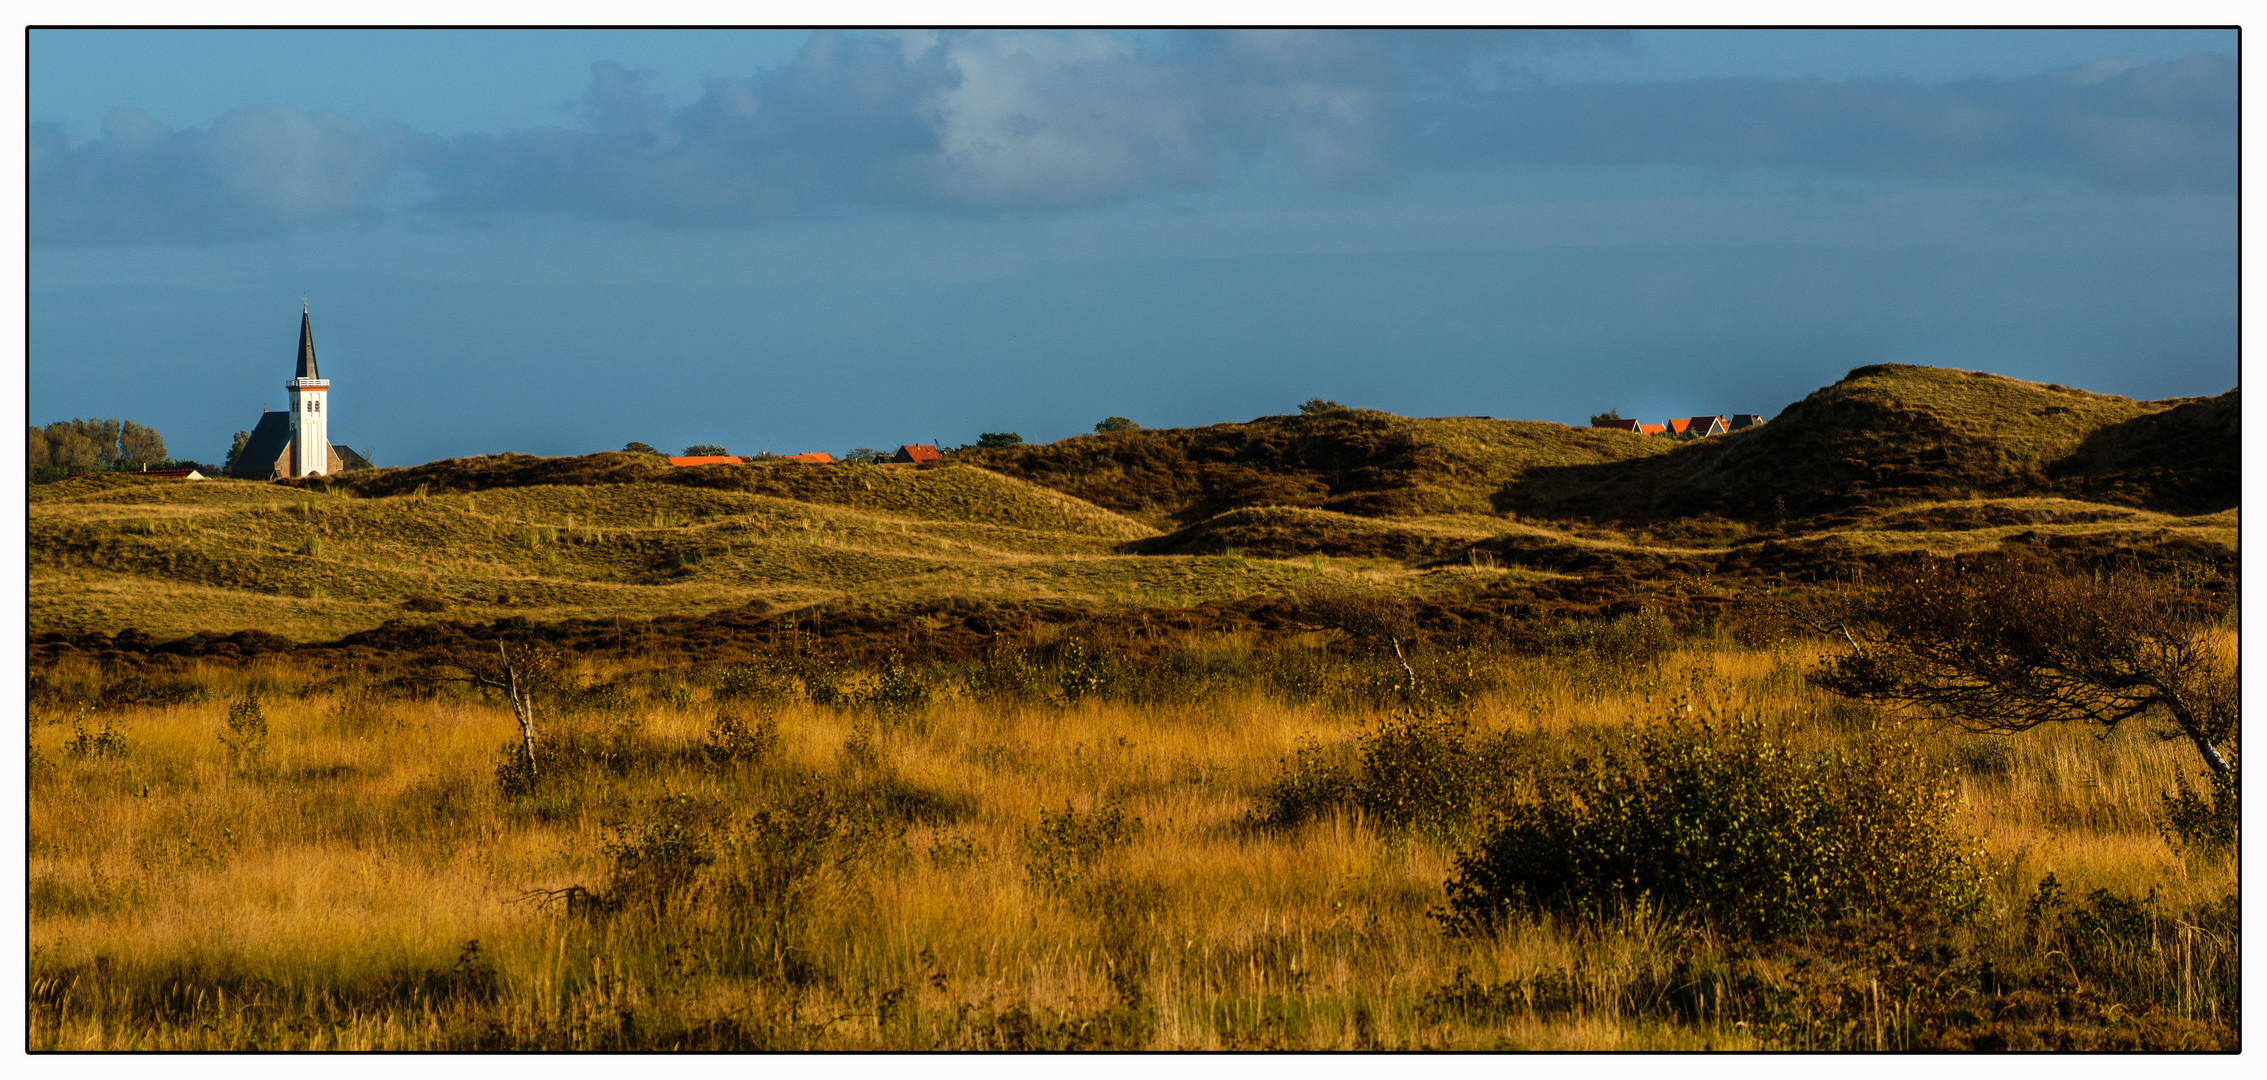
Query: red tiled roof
[(918, 452), (704, 461), (1652, 429)]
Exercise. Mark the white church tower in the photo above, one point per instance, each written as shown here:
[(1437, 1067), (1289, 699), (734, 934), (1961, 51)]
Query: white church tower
[(310, 451)]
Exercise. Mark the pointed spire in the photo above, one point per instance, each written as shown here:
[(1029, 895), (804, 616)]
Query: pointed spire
[(306, 345)]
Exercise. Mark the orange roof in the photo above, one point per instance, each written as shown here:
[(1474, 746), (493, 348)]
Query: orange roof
[(918, 452), (819, 457), (704, 461), (1651, 429)]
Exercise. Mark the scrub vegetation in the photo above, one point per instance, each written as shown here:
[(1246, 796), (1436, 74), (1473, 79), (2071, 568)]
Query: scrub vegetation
[(596, 753), (1637, 838)]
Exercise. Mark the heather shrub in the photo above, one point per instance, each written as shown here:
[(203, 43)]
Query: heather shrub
[(1728, 824)]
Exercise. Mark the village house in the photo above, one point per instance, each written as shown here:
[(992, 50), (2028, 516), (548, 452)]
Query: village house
[(916, 453), (1686, 425)]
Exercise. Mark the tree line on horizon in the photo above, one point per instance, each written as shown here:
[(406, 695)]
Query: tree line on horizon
[(97, 445)]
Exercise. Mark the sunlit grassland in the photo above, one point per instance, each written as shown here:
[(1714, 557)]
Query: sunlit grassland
[(228, 555), (326, 894), (171, 558)]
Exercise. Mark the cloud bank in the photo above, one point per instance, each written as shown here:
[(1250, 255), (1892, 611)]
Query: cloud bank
[(992, 121)]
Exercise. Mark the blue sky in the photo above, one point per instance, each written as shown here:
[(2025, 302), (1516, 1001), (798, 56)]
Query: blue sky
[(557, 242)]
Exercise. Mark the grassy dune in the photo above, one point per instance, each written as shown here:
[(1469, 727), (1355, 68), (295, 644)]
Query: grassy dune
[(1890, 435), (1890, 458), (170, 558)]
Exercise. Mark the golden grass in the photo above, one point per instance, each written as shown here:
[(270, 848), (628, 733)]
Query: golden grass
[(367, 854)]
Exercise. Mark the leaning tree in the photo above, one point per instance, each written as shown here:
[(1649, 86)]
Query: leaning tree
[(2005, 644)]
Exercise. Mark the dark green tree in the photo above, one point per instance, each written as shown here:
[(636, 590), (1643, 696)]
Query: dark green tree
[(999, 439), (1116, 423), (235, 450), (1322, 407), (640, 448), (706, 450), (1607, 417)]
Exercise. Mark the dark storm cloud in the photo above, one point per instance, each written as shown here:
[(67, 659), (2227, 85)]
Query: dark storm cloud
[(2135, 126), (978, 121), (1015, 120), (256, 171)]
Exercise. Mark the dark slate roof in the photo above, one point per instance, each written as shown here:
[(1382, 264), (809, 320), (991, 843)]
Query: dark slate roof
[(268, 442), (306, 348), (348, 460)]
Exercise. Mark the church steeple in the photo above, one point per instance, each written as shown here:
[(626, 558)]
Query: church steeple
[(310, 452), (306, 345)]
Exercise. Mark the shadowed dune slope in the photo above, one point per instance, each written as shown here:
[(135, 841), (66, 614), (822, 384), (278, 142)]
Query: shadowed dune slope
[(1360, 462)]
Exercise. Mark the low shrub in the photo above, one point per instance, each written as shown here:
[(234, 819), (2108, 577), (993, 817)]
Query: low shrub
[(1728, 824), (1064, 848), (2203, 824), (245, 732), (896, 692), (107, 743), (1311, 783), (733, 740), (1421, 773), (656, 862), (2136, 949), (750, 682), (1607, 654)]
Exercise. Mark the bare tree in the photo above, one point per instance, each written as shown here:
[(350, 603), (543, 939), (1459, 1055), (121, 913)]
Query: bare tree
[(1373, 617), (517, 679), (2005, 646)]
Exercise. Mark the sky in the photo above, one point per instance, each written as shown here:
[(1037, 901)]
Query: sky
[(557, 242)]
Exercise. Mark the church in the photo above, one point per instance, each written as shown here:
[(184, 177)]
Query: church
[(297, 442)]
